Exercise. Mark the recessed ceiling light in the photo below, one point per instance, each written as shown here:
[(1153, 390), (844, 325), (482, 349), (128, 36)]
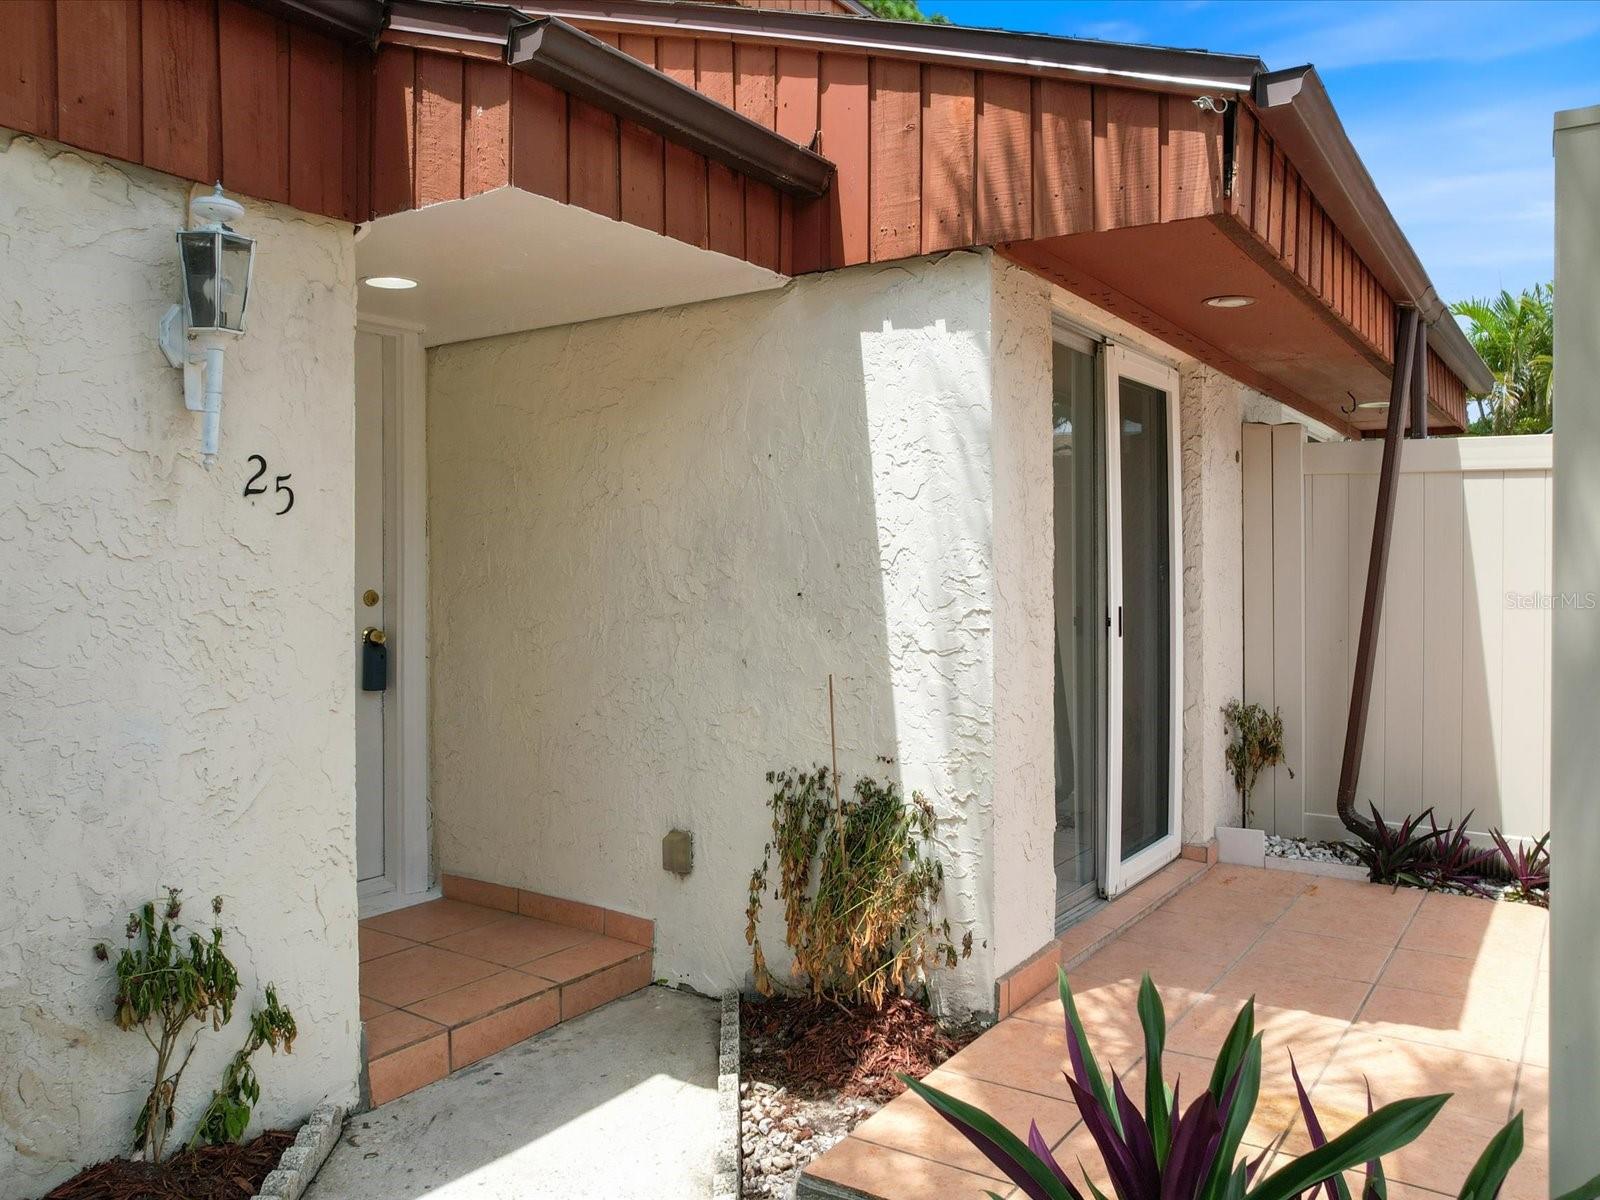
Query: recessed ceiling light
[(390, 283), (1230, 301)]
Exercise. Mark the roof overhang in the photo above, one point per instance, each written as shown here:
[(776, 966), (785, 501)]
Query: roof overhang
[(1294, 108), (997, 49), (358, 21), (581, 65)]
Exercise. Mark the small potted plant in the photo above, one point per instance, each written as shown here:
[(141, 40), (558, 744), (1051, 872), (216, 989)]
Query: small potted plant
[(1256, 744)]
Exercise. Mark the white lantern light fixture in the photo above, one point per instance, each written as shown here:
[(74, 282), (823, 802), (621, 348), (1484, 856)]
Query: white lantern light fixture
[(215, 265)]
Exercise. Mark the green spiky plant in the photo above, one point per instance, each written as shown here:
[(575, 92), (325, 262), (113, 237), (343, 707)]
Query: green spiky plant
[(1168, 1152)]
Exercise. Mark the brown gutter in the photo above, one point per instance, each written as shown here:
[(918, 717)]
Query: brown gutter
[(343, 20), (1148, 67), (586, 67), (581, 65), (1294, 108)]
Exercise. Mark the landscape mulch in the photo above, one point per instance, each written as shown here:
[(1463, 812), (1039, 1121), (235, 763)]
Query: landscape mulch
[(820, 1048), (204, 1173)]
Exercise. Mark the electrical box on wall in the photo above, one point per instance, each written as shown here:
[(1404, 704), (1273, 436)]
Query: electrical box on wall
[(677, 852)]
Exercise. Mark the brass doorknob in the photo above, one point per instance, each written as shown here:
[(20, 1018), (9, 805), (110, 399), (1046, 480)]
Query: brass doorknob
[(374, 635)]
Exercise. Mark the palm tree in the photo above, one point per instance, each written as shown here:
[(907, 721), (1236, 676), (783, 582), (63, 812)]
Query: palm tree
[(1514, 335)]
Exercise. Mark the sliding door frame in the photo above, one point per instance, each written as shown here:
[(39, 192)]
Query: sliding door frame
[(1119, 362)]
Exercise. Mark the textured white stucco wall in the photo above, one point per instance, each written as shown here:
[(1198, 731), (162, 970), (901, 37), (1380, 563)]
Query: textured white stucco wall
[(653, 538), (176, 662)]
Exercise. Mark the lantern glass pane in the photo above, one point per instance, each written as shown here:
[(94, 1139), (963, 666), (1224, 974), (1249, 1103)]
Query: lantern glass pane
[(200, 278), (234, 280)]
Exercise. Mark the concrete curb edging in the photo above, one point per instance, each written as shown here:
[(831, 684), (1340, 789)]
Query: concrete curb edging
[(300, 1163), (727, 1177), (1313, 866)]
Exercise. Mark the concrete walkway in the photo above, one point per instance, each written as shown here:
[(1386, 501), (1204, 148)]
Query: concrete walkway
[(617, 1104)]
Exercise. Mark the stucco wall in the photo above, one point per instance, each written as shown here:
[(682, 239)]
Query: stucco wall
[(176, 663), (653, 538)]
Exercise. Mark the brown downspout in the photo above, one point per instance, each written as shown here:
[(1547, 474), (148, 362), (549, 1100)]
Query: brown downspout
[(1401, 390), (1419, 385)]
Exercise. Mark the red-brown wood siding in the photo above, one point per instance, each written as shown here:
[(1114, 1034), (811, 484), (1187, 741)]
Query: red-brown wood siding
[(1271, 200), (201, 89), (930, 157)]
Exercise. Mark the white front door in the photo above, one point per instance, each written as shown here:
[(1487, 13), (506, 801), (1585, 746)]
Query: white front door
[(375, 825), (1144, 579)]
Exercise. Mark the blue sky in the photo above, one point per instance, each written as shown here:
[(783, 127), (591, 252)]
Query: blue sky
[(1449, 103)]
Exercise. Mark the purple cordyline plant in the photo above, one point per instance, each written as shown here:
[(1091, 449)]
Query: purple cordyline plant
[(1169, 1152)]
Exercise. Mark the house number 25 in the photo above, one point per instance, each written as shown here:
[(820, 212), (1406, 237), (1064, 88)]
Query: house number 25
[(280, 484)]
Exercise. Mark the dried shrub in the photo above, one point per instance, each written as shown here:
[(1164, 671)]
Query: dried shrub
[(1257, 744), (169, 976), (859, 888)]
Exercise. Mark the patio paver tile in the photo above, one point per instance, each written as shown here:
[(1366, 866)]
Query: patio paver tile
[(504, 1027), (583, 959), (1482, 1085), (1454, 975), (415, 974), (479, 998), (910, 1124), (513, 941), (1491, 1025), (1299, 951), (895, 1175), (374, 943), (432, 920), (394, 1030), (1322, 995), (408, 1069), (1312, 970)]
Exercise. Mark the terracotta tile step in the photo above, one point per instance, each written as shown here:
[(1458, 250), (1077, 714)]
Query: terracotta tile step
[(450, 982)]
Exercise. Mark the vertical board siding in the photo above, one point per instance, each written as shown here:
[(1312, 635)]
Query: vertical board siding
[(1288, 637), (895, 185), (1127, 158), (844, 119), (538, 137), (440, 122), (686, 214), (1005, 157), (253, 59), (929, 157), (207, 90), (486, 145), (98, 76), (798, 93), (28, 66), (949, 127), (1063, 149), (181, 97), (316, 101), (1460, 716), (593, 159)]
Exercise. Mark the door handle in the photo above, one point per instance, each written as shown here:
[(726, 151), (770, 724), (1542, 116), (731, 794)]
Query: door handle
[(374, 659), (1119, 620)]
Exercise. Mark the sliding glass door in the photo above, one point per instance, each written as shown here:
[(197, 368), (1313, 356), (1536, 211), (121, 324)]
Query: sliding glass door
[(1145, 610), (1078, 458), (1118, 619)]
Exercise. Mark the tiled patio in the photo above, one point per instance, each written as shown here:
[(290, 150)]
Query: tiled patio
[(451, 981), (1418, 993)]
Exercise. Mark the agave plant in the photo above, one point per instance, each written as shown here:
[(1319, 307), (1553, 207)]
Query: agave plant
[(1529, 866), (1169, 1152), (1398, 854)]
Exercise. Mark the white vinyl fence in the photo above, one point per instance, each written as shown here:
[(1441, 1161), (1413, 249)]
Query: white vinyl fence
[(1460, 714)]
